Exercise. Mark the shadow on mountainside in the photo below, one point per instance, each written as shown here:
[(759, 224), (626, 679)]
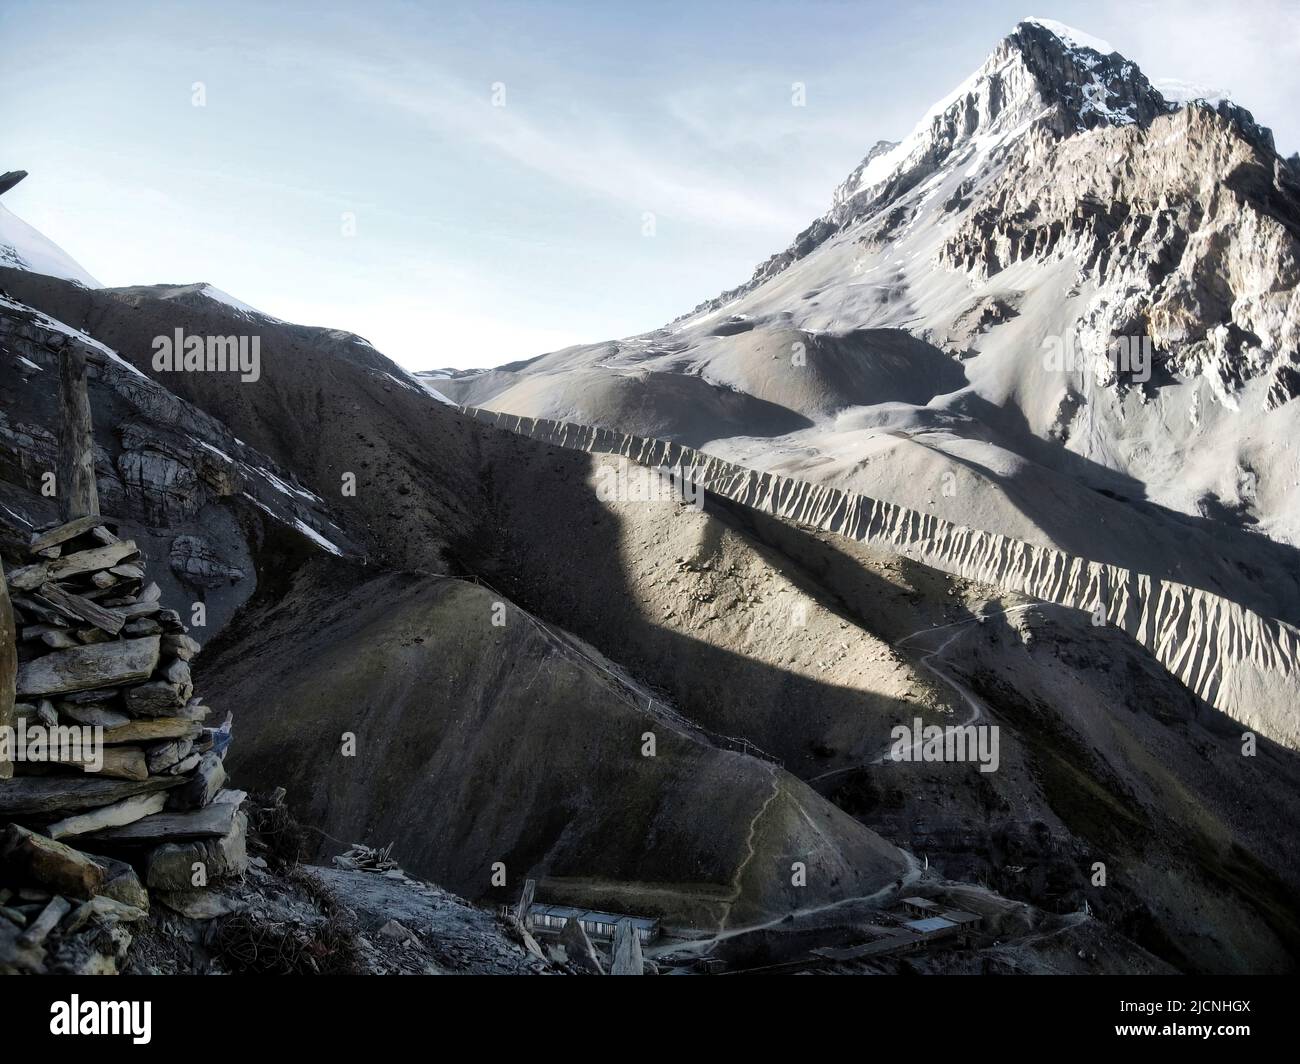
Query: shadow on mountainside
[(1257, 572)]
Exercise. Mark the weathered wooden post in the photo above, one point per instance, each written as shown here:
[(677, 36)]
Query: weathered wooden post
[(8, 671), (525, 903), (78, 495)]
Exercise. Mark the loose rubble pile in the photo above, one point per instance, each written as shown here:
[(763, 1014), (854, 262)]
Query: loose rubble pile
[(117, 796)]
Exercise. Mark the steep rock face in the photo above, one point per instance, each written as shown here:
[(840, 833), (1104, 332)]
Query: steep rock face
[(1193, 239), (1036, 77), (169, 473), (1237, 661)]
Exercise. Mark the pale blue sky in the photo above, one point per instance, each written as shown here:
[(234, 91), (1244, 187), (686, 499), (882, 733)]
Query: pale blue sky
[(485, 234)]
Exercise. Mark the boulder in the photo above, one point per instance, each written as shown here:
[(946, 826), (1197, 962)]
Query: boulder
[(203, 787), (195, 561), (578, 948), (172, 866), (163, 756)]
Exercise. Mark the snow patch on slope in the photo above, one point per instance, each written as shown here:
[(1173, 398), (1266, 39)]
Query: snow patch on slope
[(24, 248), (212, 292)]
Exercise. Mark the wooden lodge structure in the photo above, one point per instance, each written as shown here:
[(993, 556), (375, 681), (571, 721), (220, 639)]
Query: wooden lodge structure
[(550, 919)]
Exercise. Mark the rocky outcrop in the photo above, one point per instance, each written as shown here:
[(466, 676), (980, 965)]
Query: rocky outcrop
[(1037, 78), (1242, 663), (196, 562), (1197, 247)]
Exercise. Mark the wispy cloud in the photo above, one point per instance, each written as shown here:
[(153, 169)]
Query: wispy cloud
[(579, 151)]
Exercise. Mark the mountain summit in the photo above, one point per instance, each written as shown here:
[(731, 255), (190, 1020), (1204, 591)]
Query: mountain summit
[(1043, 75), (1052, 208)]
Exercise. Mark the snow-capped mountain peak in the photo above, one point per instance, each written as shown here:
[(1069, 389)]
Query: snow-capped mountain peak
[(1042, 71), (25, 248), (1069, 36)]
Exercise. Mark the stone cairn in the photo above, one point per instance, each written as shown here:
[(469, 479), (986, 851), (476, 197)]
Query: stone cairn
[(88, 838)]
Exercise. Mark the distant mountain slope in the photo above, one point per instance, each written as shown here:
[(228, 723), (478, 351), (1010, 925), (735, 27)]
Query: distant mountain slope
[(1114, 275)]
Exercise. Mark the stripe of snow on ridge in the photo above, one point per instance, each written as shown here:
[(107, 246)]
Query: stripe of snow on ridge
[(14, 515), (68, 330), (215, 450), (225, 298), (281, 486), (410, 382), (215, 293), (298, 524)]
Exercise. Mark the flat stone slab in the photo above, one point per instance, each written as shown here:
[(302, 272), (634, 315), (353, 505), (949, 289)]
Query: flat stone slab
[(62, 533), (212, 821), (78, 607), (127, 811), (88, 561), (84, 668), (27, 795)]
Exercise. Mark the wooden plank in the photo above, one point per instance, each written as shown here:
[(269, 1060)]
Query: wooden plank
[(81, 608), (78, 493), (139, 609), (84, 668), (88, 561), (152, 730), (64, 532), (43, 795), (40, 611)]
